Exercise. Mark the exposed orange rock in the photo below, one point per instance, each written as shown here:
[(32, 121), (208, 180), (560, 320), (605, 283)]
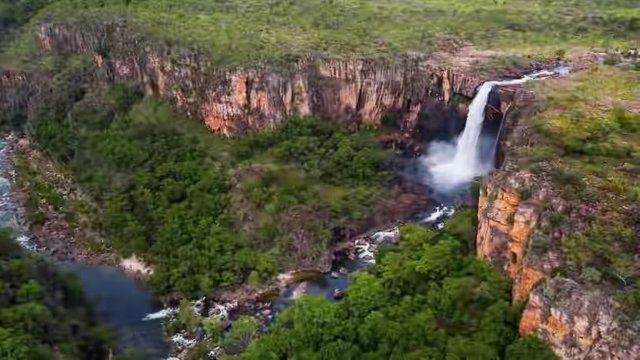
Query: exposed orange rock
[(556, 327), (233, 101), (529, 322), (99, 59), (505, 225), (578, 323), (529, 279)]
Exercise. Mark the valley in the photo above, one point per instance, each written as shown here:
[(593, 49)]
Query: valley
[(328, 179)]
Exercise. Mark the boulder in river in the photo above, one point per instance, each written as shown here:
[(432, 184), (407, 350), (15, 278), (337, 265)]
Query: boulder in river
[(299, 290), (343, 270), (335, 274), (338, 294)]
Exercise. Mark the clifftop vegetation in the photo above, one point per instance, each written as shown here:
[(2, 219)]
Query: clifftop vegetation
[(585, 142), (244, 32)]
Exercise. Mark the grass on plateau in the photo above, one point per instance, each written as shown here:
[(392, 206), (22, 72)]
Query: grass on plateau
[(242, 32), (587, 138)]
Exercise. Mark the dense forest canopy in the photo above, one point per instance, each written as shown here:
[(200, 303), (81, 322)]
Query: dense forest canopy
[(429, 298), (43, 313), (206, 212)]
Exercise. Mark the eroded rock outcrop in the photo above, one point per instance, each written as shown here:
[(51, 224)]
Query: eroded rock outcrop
[(577, 321), (508, 219), (579, 324), (234, 101)]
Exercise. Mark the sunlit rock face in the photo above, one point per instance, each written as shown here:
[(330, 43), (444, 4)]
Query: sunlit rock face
[(233, 101), (506, 223), (579, 324), (576, 321)]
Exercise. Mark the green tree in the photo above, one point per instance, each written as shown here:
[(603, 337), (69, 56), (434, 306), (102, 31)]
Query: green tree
[(30, 291), (529, 348), (466, 349), (241, 334), (186, 316), (427, 298), (42, 313), (214, 327), (14, 346)]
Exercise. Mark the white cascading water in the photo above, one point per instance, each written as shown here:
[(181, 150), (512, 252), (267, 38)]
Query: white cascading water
[(451, 166)]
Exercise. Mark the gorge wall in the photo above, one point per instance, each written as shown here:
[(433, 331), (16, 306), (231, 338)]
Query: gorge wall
[(233, 101), (516, 234)]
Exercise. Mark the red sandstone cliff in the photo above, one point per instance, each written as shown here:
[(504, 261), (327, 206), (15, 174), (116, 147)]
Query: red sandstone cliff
[(578, 323), (234, 100)]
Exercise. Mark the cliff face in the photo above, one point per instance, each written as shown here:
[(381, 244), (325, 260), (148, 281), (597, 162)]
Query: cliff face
[(578, 324), (17, 94), (505, 223), (520, 232), (509, 217), (576, 321), (234, 101)]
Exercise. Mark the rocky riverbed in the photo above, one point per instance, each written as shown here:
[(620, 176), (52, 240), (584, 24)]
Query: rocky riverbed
[(126, 304)]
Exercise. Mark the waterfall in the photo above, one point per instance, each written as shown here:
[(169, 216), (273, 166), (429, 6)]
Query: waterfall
[(453, 165), (466, 156)]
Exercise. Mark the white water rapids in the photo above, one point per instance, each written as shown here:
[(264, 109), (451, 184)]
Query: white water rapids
[(453, 165)]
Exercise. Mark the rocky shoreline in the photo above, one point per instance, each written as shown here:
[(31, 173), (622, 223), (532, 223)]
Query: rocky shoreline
[(262, 302), (56, 237)]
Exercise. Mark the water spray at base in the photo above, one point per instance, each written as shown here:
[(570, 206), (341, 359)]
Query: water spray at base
[(451, 166)]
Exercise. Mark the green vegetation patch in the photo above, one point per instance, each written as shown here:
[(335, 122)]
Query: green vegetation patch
[(15, 13), (427, 298), (206, 212), (588, 139), (242, 32)]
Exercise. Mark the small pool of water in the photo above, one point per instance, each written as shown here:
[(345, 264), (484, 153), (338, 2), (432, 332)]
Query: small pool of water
[(122, 303), (322, 285), (119, 300)]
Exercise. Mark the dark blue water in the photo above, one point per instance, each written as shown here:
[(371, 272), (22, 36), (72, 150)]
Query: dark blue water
[(122, 303), (322, 285)]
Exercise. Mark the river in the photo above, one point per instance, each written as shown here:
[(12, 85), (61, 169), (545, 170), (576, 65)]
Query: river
[(119, 301), (124, 304)]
